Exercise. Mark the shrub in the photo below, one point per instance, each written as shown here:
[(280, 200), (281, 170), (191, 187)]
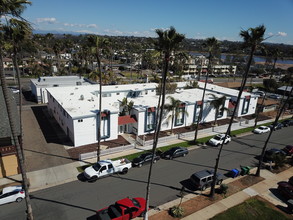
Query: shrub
[(176, 211), (224, 189)]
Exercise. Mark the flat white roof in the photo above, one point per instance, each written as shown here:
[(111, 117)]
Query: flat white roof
[(222, 90), (187, 96), (59, 81), (79, 101)]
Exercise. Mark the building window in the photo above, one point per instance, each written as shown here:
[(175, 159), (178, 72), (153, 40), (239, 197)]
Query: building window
[(196, 111), (118, 93), (245, 106), (150, 119), (80, 120), (179, 118)]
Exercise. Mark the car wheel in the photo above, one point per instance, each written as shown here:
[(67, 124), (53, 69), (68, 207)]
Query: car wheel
[(140, 165), (19, 199), (219, 182), (93, 179), (218, 145), (171, 158), (142, 214), (124, 171), (203, 188)]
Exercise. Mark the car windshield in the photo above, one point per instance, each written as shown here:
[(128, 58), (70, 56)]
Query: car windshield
[(217, 138), (135, 202), (143, 156), (172, 150), (261, 128), (97, 166)]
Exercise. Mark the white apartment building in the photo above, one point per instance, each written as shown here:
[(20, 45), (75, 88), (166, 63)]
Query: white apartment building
[(39, 86), (76, 109)]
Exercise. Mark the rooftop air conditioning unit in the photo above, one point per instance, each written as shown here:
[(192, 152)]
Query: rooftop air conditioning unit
[(81, 97)]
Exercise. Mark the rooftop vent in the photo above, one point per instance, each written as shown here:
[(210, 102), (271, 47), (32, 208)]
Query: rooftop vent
[(78, 83), (72, 93), (55, 85), (81, 97)]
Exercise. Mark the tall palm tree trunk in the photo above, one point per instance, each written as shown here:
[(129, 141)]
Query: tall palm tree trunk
[(15, 63), (15, 139), (264, 97), (270, 134), (202, 102), (212, 192), (155, 143), (100, 110)]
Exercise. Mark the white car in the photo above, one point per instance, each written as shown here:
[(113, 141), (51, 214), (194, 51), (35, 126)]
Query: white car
[(218, 139), (11, 194), (261, 129)]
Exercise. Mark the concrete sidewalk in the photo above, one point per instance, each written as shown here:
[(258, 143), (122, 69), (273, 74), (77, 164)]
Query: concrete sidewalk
[(262, 189)]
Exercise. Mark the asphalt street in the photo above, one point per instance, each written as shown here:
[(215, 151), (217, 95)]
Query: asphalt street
[(80, 200)]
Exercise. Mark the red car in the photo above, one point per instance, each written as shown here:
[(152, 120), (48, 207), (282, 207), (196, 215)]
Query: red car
[(286, 189), (288, 150), (123, 209)]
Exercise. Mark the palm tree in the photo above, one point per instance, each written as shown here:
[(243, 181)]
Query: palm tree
[(168, 42), (17, 32), (253, 38), (97, 45), (218, 104), (275, 54), (212, 45), (271, 131), (13, 9), (126, 106), (173, 107)]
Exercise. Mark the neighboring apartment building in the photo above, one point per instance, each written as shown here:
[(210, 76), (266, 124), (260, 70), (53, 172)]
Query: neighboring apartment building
[(76, 109), (8, 156)]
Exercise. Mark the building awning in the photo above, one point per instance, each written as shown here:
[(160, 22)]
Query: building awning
[(7, 150), (126, 119), (199, 102)]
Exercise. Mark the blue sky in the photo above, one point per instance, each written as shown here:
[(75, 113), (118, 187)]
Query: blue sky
[(197, 19)]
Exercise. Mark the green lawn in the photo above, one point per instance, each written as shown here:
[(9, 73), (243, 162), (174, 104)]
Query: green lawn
[(252, 209)]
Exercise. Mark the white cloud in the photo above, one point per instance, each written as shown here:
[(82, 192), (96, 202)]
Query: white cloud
[(283, 34), (271, 34), (46, 20), (92, 26)]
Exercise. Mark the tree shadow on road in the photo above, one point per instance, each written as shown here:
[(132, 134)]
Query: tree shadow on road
[(61, 203)]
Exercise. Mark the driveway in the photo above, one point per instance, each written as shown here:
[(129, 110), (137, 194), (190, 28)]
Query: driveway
[(43, 140)]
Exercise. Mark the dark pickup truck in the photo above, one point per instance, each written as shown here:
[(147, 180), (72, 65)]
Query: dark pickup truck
[(123, 209)]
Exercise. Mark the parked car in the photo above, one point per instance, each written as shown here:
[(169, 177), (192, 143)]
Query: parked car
[(144, 159), (261, 130), (274, 96), (107, 167), (272, 153), (288, 150), (123, 209), (11, 194), (204, 178), (175, 152), (276, 126), (218, 140), (260, 93), (287, 123), (286, 189)]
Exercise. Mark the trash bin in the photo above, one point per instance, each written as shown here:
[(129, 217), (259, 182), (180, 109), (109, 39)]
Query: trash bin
[(243, 171), (248, 169), (234, 173)]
